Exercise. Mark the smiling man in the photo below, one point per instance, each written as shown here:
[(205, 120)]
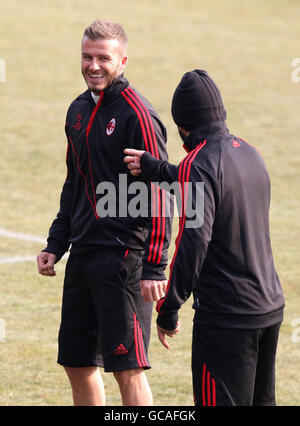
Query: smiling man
[(102, 61), (116, 266)]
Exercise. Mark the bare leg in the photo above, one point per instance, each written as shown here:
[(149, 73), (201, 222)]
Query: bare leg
[(87, 385), (134, 387)]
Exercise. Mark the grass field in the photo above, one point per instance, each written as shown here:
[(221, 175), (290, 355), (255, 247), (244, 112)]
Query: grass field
[(247, 46)]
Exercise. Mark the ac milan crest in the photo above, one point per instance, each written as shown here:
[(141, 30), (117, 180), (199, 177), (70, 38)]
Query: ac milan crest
[(111, 126)]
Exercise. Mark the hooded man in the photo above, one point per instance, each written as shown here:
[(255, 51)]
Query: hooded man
[(225, 257)]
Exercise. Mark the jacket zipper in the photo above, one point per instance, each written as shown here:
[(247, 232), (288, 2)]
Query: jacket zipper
[(88, 129)]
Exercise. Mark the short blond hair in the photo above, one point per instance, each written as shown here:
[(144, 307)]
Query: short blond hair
[(106, 30)]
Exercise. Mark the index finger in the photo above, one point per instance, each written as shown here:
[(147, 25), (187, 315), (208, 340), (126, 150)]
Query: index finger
[(162, 339), (133, 152)]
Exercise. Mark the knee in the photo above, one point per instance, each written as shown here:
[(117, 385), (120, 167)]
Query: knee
[(127, 377), (80, 375)]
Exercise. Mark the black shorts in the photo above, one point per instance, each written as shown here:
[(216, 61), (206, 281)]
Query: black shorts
[(233, 366), (105, 322)]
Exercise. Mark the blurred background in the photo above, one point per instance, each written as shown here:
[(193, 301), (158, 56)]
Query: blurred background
[(249, 47)]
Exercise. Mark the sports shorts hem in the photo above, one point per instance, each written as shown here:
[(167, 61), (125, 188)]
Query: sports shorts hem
[(100, 365)]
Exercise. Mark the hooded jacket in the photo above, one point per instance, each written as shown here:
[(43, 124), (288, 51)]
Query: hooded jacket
[(97, 135), (224, 258)]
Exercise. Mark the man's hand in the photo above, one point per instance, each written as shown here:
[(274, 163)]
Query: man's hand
[(161, 332), (45, 262), (133, 160), (152, 290)]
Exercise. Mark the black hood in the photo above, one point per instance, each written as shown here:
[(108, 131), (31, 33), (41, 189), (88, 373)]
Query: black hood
[(214, 130)]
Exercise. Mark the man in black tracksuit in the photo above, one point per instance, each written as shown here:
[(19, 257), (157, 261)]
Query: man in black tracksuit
[(105, 319), (225, 260)]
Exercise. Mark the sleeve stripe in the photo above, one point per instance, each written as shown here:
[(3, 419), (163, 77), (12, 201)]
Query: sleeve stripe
[(158, 223), (146, 117), (184, 176), (139, 117), (153, 198), (163, 202), (149, 121)]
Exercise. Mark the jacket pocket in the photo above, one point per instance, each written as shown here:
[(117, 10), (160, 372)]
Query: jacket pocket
[(129, 268)]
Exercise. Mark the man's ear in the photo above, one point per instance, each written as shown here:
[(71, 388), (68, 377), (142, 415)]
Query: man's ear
[(124, 61)]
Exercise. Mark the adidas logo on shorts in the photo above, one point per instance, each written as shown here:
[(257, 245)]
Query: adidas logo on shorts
[(120, 350)]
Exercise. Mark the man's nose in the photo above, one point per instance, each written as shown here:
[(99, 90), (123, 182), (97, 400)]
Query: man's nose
[(94, 66)]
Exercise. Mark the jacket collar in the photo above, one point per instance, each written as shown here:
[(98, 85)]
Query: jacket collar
[(214, 130), (113, 91)]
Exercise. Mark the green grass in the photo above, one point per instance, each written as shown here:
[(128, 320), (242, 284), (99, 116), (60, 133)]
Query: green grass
[(247, 47)]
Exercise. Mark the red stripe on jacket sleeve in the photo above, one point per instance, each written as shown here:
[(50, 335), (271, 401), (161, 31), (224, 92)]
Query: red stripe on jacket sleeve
[(163, 219), (153, 198), (183, 176), (158, 222), (140, 119)]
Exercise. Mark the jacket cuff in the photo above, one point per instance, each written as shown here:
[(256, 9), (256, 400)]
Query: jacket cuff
[(153, 272), (168, 321), (56, 247), (149, 166)]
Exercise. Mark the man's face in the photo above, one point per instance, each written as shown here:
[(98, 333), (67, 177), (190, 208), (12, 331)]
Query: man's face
[(101, 62), (183, 133)]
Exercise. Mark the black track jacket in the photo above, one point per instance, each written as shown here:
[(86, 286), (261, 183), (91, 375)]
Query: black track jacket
[(226, 262), (97, 136)]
